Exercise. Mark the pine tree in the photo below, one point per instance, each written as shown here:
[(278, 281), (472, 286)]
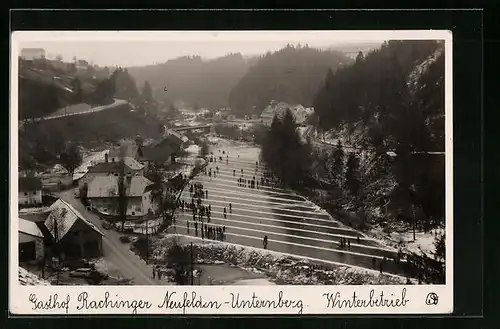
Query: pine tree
[(147, 92), (352, 174), (71, 157), (360, 57), (337, 171)]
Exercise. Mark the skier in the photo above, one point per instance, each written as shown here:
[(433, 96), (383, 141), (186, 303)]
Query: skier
[(225, 213), (206, 194), (265, 242), (230, 208)]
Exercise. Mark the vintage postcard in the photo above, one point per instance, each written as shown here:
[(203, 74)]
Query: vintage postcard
[(231, 172)]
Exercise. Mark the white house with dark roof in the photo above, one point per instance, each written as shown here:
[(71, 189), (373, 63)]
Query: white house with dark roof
[(31, 241), (30, 54), (111, 167), (76, 235), (103, 195), (30, 191)]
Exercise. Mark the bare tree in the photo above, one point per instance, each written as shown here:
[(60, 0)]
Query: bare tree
[(56, 225), (181, 259)]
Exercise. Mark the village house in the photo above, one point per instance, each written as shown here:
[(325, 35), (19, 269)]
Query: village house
[(161, 152), (55, 177), (111, 167), (30, 191), (31, 242), (81, 65), (103, 195), (275, 108), (76, 236), (30, 54)]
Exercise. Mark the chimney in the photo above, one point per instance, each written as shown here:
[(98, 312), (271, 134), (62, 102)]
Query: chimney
[(106, 157)]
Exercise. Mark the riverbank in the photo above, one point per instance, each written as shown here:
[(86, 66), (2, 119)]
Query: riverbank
[(229, 264)]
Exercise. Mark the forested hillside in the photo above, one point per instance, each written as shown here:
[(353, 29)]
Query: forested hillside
[(386, 112), (191, 79), (386, 171), (292, 74)]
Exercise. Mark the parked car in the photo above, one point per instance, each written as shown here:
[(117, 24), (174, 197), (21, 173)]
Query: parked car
[(76, 192), (106, 225), (125, 239)]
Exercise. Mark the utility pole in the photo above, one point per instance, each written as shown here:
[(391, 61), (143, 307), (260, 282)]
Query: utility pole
[(413, 212), (147, 240), (191, 267)]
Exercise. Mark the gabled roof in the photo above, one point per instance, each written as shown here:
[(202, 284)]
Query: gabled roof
[(30, 228), (157, 153), (63, 216), (105, 167), (110, 166), (28, 184), (129, 150), (107, 186)]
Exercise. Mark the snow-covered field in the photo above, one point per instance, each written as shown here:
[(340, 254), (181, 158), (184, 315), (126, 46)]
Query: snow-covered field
[(33, 210), (423, 240), (278, 268)]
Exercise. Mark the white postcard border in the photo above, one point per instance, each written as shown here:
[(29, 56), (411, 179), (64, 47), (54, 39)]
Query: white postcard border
[(312, 297)]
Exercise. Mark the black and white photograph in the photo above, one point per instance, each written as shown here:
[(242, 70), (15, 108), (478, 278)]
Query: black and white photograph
[(211, 158)]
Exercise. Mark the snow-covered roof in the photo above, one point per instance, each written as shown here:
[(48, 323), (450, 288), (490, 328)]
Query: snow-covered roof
[(58, 169), (107, 186), (65, 216), (279, 108), (29, 279), (30, 228)]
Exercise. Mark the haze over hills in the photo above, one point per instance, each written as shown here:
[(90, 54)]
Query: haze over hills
[(191, 79), (292, 74)]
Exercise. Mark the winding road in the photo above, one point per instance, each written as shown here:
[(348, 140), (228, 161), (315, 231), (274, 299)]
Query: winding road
[(115, 253)]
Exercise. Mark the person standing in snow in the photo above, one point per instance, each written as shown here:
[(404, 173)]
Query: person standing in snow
[(265, 242)]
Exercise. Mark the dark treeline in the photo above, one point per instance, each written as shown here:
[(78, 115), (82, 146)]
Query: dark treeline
[(292, 74), (386, 111), (395, 96), (204, 83), (285, 153)]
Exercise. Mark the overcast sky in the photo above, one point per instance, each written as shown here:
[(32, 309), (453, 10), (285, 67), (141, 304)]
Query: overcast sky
[(144, 48)]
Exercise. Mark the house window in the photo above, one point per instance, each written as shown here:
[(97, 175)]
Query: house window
[(25, 201), (34, 193), (133, 213), (25, 193)]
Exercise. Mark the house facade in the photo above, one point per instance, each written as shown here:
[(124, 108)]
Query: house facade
[(30, 191), (30, 54), (103, 195), (111, 167), (30, 241), (76, 236), (299, 112)]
